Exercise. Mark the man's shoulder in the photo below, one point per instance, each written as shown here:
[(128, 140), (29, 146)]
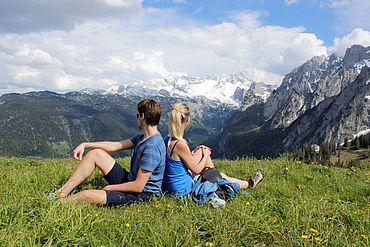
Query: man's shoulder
[(155, 140)]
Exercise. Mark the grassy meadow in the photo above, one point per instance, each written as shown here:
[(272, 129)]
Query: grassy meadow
[(296, 205)]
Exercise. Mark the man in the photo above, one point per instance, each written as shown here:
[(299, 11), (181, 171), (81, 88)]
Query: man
[(146, 168)]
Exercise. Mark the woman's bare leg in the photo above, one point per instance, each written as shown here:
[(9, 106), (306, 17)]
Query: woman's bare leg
[(198, 155), (243, 184)]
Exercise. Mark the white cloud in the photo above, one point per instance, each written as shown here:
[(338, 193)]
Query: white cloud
[(354, 15), (333, 3), (247, 19), (290, 2), (121, 3), (24, 16), (356, 37), (103, 53), (349, 14)]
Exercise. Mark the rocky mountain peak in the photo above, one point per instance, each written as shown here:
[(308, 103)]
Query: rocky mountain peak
[(356, 54), (309, 84)]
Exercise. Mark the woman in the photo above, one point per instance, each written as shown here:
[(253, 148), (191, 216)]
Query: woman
[(182, 164)]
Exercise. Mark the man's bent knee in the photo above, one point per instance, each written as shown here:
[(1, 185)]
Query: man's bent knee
[(102, 160), (97, 152)]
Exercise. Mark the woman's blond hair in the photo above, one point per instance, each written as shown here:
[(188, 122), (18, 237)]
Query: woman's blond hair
[(179, 114)]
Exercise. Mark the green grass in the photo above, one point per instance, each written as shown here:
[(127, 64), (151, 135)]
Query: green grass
[(293, 198)]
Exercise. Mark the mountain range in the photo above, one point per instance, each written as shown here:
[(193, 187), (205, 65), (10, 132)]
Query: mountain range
[(324, 99)]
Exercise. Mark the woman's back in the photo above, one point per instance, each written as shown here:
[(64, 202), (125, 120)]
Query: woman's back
[(177, 178)]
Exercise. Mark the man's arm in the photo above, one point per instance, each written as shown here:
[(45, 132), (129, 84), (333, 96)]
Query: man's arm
[(106, 146), (133, 186)]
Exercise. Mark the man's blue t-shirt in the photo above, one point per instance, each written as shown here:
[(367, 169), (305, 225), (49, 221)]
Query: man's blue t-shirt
[(150, 155)]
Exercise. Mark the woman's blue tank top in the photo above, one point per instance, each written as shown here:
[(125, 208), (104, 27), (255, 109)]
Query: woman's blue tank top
[(177, 178)]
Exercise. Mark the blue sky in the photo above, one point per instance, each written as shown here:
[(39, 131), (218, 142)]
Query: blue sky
[(317, 19), (75, 44)]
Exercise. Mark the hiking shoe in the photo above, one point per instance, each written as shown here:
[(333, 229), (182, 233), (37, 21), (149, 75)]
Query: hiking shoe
[(217, 202), (52, 196), (255, 179)]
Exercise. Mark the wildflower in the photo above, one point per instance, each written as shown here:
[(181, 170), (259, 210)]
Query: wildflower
[(364, 236), (313, 230), (168, 205), (127, 225), (304, 236), (317, 238), (210, 244)]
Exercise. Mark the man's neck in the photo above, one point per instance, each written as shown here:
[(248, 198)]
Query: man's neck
[(150, 130)]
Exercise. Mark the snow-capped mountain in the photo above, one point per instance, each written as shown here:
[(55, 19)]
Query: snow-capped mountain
[(229, 90), (327, 99), (335, 118), (309, 84)]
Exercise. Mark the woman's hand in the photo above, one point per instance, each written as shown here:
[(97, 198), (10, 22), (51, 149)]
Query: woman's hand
[(78, 152), (202, 147), (206, 152)]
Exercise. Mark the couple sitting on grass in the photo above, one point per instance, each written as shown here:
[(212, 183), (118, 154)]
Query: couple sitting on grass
[(152, 161)]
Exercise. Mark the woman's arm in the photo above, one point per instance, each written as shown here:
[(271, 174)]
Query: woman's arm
[(191, 161)]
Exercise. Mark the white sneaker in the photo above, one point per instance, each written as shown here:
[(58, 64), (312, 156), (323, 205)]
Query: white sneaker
[(217, 202), (52, 196)]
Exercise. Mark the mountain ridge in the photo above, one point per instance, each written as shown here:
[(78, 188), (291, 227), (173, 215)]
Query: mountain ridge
[(307, 107)]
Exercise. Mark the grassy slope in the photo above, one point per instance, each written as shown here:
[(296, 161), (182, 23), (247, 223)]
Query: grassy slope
[(293, 198)]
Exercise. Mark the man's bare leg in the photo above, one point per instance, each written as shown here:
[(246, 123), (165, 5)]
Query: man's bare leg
[(94, 158), (98, 197)]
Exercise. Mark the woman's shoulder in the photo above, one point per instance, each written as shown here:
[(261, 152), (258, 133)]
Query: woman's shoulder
[(181, 145)]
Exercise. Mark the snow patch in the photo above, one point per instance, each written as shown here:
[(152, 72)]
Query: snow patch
[(228, 89), (363, 132), (367, 96), (367, 62)]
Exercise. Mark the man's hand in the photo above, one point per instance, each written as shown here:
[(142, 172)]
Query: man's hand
[(109, 187), (78, 152)]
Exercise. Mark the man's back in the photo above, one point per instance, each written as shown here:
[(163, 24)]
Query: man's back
[(149, 154)]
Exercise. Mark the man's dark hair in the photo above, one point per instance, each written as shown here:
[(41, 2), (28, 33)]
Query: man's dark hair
[(151, 110)]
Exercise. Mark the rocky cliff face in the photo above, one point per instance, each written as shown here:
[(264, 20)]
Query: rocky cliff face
[(325, 99), (308, 85), (336, 117)]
